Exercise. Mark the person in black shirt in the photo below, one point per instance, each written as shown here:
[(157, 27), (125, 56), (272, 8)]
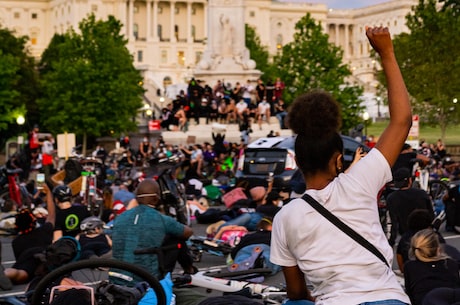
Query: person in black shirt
[(403, 201), (407, 159), (430, 268), (68, 215), (32, 240)]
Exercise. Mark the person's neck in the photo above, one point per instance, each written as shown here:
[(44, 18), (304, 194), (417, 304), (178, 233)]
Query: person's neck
[(319, 181), (64, 205)]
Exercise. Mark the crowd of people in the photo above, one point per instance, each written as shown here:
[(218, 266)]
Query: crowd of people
[(294, 233), (224, 103)]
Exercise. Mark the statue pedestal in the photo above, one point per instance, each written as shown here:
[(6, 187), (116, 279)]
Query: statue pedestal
[(228, 70)]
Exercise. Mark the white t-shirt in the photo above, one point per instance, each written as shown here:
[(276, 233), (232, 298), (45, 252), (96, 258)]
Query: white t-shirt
[(241, 106), (341, 270), (247, 91), (263, 107)]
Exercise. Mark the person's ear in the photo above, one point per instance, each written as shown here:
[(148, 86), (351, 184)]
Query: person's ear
[(339, 163)]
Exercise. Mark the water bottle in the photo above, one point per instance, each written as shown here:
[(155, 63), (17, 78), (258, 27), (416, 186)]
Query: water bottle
[(92, 187)]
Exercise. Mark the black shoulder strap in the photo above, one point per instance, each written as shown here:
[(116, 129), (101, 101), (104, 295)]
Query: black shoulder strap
[(345, 228)]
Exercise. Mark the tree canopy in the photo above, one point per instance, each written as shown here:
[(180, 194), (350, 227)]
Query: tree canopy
[(18, 83), (90, 86), (429, 58), (259, 53), (310, 62)]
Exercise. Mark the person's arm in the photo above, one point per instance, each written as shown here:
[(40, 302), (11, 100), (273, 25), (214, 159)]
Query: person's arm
[(395, 134), (187, 232), (359, 153), (51, 218), (109, 240), (296, 286), (56, 235), (400, 260)]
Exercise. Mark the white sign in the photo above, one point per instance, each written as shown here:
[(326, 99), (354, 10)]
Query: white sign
[(65, 143)]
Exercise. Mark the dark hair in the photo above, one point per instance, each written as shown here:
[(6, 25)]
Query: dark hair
[(315, 118), (419, 219)]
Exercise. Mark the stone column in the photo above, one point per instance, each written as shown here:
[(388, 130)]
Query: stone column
[(155, 21), (131, 20), (205, 18), (149, 20), (347, 42), (172, 6), (189, 22), (337, 41)]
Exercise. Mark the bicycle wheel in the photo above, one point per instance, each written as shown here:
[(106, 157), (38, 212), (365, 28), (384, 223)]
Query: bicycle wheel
[(92, 272), (438, 189)]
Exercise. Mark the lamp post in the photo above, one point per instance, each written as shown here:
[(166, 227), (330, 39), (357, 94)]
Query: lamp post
[(365, 118), (20, 120), (379, 99)]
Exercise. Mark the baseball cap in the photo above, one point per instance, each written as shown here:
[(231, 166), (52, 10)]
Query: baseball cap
[(401, 176)]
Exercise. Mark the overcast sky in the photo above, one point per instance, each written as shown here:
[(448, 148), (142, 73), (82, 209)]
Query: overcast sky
[(344, 3)]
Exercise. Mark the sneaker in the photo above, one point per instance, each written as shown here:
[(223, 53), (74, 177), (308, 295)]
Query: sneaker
[(5, 283)]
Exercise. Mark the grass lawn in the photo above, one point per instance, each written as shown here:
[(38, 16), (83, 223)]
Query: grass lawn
[(429, 134)]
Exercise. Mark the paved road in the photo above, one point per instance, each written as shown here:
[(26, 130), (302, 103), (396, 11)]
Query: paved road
[(208, 260)]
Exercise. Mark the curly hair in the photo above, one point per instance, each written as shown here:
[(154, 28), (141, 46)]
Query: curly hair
[(315, 118)]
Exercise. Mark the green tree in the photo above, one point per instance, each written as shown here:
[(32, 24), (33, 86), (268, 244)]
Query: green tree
[(90, 85), (259, 53), (311, 62), (430, 60), (18, 84)]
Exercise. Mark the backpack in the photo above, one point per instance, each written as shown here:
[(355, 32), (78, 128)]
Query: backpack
[(254, 256), (65, 250)]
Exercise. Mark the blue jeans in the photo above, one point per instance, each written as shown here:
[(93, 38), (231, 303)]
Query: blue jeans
[(248, 220), (298, 302), (384, 302), (280, 116)]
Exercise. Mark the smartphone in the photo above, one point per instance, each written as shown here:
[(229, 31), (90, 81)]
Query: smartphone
[(40, 181)]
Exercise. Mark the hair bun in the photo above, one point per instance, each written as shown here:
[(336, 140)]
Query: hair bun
[(314, 114)]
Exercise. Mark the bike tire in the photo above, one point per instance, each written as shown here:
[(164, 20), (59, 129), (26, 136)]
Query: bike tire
[(4, 195), (437, 189), (90, 271)]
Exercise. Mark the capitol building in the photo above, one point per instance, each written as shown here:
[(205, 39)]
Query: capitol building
[(168, 38)]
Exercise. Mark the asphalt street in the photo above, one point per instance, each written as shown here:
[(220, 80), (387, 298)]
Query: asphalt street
[(208, 261)]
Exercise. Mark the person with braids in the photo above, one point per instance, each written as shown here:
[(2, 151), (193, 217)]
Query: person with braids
[(431, 277), (308, 246)]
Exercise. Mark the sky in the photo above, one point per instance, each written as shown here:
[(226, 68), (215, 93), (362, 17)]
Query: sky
[(344, 4)]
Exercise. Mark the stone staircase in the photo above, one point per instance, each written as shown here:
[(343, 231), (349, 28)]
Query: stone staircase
[(203, 132)]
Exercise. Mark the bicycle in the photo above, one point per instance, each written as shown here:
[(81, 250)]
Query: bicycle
[(11, 188), (173, 197), (95, 273)]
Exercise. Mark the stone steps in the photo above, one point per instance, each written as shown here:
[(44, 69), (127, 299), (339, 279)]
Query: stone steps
[(203, 132)]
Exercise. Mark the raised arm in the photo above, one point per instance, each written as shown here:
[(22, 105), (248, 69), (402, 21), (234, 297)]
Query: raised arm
[(51, 218), (395, 134)]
